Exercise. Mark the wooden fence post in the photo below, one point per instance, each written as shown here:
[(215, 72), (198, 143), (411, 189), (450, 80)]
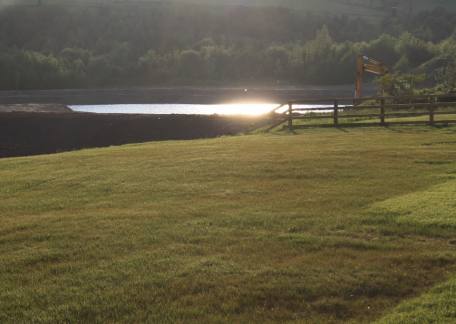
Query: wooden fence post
[(382, 111), (431, 109), (290, 116), (431, 115), (336, 113)]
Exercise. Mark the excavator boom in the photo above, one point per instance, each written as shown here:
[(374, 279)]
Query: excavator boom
[(367, 64), (374, 69)]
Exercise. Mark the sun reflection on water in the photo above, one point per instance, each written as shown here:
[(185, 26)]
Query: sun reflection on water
[(228, 109), (249, 109), (246, 109)]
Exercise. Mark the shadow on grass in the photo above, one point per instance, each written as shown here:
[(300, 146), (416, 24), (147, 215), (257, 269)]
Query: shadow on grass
[(342, 129), (388, 223)]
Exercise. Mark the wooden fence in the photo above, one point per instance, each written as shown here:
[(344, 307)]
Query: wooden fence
[(371, 111)]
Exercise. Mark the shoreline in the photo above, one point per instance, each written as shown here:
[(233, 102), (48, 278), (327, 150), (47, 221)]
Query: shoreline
[(41, 122), (170, 95)]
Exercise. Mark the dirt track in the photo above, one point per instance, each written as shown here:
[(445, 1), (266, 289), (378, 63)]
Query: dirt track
[(23, 133)]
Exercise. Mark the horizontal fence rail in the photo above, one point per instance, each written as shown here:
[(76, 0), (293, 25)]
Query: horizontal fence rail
[(369, 111)]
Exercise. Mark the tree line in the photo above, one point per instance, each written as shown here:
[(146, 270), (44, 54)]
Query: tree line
[(181, 44)]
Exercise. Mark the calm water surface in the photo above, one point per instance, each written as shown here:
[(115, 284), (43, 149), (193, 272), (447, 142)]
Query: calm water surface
[(249, 109)]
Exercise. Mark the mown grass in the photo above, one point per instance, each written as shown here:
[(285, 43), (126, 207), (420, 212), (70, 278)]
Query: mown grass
[(306, 227), (436, 306), (431, 209)]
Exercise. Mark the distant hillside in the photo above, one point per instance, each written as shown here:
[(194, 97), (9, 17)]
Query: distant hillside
[(371, 9), (95, 43), (366, 8), (338, 6)]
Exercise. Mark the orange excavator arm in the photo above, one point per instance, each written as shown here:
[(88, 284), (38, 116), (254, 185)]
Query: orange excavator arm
[(366, 64)]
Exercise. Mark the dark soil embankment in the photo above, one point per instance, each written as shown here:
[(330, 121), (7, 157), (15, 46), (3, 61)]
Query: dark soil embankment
[(39, 133), (35, 107)]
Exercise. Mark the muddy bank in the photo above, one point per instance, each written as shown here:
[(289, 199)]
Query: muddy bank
[(34, 107), (23, 133)]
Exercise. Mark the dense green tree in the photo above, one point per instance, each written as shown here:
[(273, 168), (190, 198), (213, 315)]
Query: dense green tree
[(383, 48), (415, 50), (70, 45)]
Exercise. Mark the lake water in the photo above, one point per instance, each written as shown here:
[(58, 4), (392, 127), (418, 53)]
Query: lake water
[(248, 109)]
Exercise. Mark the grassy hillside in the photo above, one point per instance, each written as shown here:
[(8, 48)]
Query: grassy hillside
[(319, 226)]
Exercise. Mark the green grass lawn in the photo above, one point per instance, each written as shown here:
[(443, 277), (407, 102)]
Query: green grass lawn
[(433, 209), (325, 225)]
